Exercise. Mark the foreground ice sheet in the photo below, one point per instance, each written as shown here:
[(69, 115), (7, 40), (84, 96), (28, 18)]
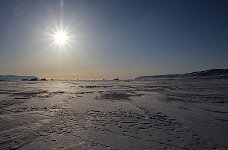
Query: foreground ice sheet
[(160, 114)]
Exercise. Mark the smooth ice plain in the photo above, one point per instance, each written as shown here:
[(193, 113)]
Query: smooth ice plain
[(159, 114)]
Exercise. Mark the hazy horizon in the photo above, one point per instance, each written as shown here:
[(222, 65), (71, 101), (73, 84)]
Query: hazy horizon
[(85, 39)]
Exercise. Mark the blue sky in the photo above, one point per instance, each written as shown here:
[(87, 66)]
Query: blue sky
[(113, 38)]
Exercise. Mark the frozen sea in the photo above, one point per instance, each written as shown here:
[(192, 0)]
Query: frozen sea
[(134, 115)]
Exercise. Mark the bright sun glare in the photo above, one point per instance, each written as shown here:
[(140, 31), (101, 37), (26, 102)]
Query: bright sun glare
[(60, 37)]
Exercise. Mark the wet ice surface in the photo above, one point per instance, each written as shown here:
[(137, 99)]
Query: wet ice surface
[(160, 114)]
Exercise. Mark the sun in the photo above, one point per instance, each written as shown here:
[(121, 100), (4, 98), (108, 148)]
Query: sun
[(60, 37)]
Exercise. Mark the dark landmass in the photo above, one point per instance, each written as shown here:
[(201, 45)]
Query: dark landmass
[(34, 79), (16, 78), (198, 74)]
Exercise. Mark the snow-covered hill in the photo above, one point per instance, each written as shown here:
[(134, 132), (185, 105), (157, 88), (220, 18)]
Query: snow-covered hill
[(15, 77), (198, 74)]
